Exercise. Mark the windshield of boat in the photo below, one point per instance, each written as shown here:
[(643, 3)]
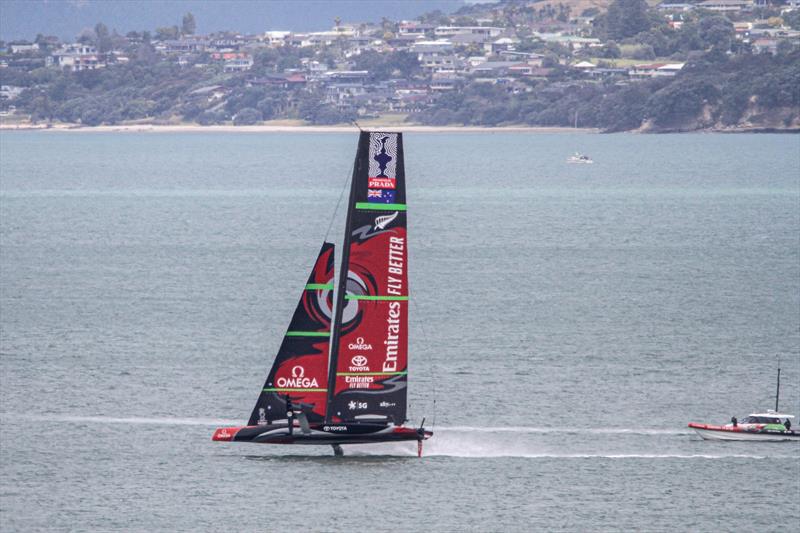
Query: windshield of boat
[(761, 420)]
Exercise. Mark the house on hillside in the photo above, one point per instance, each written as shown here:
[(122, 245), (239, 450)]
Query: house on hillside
[(402, 42), (671, 6), (275, 38), (185, 45), (530, 58), (284, 81), (494, 68), (444, 83), (227, 44), (410, 100), (449, 31), (75, 58), (571, 41), (436, 56), (652, 70), (765, 44), (10, 92), (468, 39), (414, 28), (727, 6), (234, 61), (791, 5), (500, 45), (21, 47), (584, 66)]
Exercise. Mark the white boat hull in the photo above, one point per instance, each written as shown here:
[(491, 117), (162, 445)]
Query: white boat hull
[(725, 434)]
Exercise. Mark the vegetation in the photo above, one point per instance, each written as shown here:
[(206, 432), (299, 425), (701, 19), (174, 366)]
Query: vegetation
[(723, 83), (725, 87)]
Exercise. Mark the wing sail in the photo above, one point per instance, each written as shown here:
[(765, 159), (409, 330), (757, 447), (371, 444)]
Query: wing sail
[(369, 365)]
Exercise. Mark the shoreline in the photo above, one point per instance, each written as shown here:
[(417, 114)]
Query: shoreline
[(283, 128), (349, 128)]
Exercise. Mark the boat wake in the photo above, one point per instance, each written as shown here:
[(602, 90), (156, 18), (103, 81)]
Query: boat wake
[(215, 422), (577, 431), (487, 449), (152, 421), (448, 441)]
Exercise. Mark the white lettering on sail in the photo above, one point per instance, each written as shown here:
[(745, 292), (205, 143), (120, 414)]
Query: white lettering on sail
[(298, 383), (396, 247), (394, 286), (392, 337), (359, 345), (358, 382), (298, 380)]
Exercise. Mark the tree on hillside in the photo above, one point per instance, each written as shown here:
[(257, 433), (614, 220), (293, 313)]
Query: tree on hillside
[(87, 36), (167, 33), (188, 25), (102, 38), (384, 66), (626, 18), (792, 19), (716, 31)]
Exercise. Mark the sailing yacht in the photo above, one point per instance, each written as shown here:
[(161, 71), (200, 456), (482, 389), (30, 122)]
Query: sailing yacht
[(341, 373)]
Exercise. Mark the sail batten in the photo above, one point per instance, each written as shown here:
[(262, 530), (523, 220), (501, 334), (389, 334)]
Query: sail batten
[(380, 207)]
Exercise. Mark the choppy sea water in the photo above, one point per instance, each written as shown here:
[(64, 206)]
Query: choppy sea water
[(567, 322)]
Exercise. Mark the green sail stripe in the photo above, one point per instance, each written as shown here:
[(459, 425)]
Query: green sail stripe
[(308, 334), (319, 286), (376, 298), (381, 207), (294, 390), (403, 373)]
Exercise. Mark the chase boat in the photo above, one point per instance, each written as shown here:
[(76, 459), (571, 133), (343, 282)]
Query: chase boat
[(770, 426)]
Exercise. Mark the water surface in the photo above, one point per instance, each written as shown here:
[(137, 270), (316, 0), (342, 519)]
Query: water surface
[(567, 322)]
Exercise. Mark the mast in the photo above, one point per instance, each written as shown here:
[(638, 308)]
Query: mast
[(342, 287), (778, 391)]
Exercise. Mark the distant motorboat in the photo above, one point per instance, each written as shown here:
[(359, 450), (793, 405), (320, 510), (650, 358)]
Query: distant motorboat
[(580, 158), (771, 426)]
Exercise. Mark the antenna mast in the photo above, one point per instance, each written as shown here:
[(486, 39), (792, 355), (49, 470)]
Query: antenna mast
[(778, 391)]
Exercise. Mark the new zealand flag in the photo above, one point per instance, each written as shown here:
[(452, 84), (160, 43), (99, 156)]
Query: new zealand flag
[(380, 196)]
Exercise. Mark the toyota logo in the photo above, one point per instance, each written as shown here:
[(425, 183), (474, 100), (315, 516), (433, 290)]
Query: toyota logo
[(359, 360)]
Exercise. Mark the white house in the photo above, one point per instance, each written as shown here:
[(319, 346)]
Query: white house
[(76, 57)]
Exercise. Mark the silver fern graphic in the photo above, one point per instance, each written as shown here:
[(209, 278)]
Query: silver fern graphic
[(385, 220)]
